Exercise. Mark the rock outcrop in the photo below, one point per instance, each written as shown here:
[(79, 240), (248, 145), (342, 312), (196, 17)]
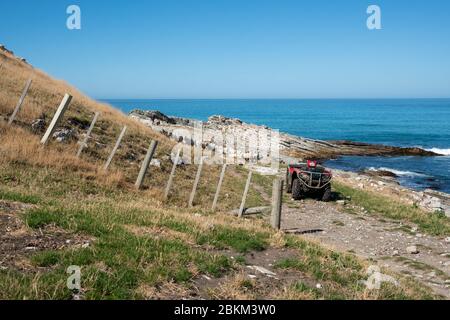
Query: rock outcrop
[(290, 146)]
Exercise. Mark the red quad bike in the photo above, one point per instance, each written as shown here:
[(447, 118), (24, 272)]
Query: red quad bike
[(308, 179)]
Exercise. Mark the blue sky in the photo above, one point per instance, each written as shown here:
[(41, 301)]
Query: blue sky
[(236, 48)]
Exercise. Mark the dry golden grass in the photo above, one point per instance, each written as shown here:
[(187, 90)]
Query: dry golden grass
[(237, 287), (20, 144), (44, 97), (21, 147)]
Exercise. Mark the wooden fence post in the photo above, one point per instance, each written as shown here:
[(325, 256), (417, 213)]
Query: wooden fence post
[(57, 117), (197, 179), (172, 173), (244, 196), (219, 186), (277, 202), (83, 143), (20, 102), (108, 162), (144, 167)]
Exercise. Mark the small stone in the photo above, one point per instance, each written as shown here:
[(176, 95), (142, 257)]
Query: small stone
[(395, 253), (38, 125), (64, 135), (318, 286), (447, 239), (155, 163), (85, 245), (262, 270), (412, 250), (342, 202)]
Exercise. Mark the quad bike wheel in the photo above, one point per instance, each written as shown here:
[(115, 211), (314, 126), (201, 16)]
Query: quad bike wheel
[(326, 196), (297, 190)]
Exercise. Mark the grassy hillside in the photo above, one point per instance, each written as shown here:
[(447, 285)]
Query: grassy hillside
[(57, 210)]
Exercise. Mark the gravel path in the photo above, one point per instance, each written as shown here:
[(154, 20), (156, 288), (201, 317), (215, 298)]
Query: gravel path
[(382, 240)]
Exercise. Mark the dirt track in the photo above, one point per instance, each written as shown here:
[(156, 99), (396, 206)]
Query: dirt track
[(380, 240)]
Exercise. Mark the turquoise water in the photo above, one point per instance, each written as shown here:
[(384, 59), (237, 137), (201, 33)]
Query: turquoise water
[(401, 122)]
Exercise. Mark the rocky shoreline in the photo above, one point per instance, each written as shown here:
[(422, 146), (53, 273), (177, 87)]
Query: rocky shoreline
[(290, 145), (293, 148)]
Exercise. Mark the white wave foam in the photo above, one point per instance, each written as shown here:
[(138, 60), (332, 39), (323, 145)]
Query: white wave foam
[(444, 152), (399, 172)]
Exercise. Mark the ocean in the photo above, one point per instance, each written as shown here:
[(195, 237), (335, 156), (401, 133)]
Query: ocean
[(421, 123)]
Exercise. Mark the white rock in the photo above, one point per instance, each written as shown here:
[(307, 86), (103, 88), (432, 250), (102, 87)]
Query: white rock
[(63, 135), (262, 270), (412, 250), (155, 163), (318, 286), (340, 202)]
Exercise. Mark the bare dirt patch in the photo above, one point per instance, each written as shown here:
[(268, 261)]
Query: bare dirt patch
[(18, 242), (256, 278)]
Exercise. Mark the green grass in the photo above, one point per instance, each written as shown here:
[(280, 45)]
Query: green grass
[(432, 223), (323, 264), (238, 239), (19, 197), (120, 259)]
